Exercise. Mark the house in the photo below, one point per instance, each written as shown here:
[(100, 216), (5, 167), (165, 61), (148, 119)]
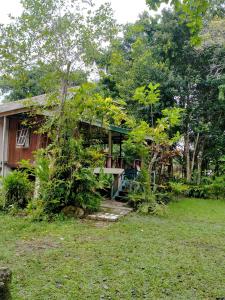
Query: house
[(18, 142)]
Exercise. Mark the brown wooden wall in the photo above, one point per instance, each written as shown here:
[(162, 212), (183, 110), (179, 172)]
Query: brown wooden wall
[(15, 154)]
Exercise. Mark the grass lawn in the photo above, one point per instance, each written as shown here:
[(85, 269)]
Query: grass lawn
[(181, 256)]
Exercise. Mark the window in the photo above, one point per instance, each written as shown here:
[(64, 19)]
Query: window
[(23, 137)]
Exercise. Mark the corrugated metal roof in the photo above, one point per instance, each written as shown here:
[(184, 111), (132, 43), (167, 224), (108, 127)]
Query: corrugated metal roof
[(19, 106), (8, 108)]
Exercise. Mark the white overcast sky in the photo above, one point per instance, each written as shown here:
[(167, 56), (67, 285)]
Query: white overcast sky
[(125, 10)]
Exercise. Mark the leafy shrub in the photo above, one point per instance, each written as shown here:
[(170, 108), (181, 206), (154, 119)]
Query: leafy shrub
[(35, 210), (54, 195), (137, 199), (153, 208), (89, 201), (178, 188), (164, 198), (210, 188), (65, 177), (213, 188), (152, 205), (17, 189), (217, 187), (198, 191), (59, 193)]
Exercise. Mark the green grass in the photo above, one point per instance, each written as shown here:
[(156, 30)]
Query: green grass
[(181, 256)]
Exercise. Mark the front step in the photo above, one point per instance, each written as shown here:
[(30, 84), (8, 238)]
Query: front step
[(111, 211), (122, 199)]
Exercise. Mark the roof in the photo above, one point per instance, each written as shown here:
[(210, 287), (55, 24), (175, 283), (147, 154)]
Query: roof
[(21, 106), (119, 129), (15, 107)]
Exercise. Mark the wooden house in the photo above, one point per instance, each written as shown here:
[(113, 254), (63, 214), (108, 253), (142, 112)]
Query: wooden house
[(18, 142)]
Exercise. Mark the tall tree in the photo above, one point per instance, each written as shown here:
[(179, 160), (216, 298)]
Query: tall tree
[(160, 50), (193, 12), (65, 35), (41, 79)]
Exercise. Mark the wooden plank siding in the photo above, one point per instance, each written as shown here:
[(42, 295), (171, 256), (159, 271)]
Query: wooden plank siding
[(16, 154)]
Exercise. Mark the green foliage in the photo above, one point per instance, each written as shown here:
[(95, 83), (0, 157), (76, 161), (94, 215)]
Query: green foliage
[(163, 198), (2, 200), (71, 180), (161, 50), (41, 79), (153, 208), (17, 189), (143, 200), (178, 188), (217, 188), (198, 191), (36, 210), (137, 198), (64, 34), (65, 169), (213, 188), (147, 96), (190, 11), (181, 189)]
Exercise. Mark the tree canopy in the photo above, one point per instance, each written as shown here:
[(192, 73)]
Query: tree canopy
[(163, 69)]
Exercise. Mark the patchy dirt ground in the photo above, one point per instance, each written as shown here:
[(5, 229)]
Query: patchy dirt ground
[(36, 245)]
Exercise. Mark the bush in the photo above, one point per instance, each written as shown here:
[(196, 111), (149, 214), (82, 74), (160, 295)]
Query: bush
[(79, 191), (217, 187), (153, 204), (17, 189), (210, 188), (164, 198), (153, 208), (136, 199), (35, 210), (198, 191), (178, 188), (65, 177)]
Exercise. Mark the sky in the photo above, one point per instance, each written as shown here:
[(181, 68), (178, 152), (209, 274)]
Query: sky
[(125, 10)]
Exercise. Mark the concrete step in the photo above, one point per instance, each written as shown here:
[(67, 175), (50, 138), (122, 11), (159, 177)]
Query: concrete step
[(123, 208), (110, 211), (121, 199)]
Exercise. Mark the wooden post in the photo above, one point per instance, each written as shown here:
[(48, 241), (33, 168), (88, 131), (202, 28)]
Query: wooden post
[(3, 145), (109, 158), (120, 158)]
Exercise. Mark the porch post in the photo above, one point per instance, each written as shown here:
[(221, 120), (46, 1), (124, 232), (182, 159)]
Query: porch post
[(109, 158), (3, 145), (120, 158)]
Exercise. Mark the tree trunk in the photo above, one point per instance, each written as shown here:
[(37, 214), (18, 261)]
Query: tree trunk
[(160, 174), (187, 156), (194, 154), (170, 168), (199, 163), (150, 168), (199, 168), (152, 120), (64, 93)]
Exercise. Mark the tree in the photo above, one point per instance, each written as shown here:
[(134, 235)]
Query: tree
[(62, 34), (39, 80), (192, 77), (192, 12), (132, 62), (69, 162), (150, 141)]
